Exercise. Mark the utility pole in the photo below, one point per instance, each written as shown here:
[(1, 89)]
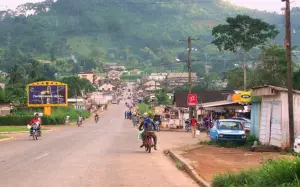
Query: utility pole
[(189, 63), (190, 72), (289, 69)]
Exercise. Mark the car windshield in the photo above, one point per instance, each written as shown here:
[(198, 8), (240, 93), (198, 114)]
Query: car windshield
[(230, 125)]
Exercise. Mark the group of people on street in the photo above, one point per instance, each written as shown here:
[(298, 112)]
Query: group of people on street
[(193, 123)]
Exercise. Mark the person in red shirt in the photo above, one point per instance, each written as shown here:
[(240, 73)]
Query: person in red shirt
[(193, 126), (37, 120)]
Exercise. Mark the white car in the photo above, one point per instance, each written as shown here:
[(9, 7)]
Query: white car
[(114, 101), (296, 148)]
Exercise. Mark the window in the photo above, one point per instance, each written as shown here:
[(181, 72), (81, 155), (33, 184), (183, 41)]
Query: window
[(230, 125), (247, 124)]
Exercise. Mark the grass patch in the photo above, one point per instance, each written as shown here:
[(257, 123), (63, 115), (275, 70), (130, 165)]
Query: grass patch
[(279, 173), (126, 78), (15, 128), (232, 144), (3, 137), (180, 165)]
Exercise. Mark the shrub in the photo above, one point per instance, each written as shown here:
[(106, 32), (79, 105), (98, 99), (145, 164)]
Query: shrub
[(24, 120), (232, 144), (58, 116), (279, 173)]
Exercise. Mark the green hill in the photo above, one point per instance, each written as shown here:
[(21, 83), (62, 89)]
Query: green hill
[(128, 31)]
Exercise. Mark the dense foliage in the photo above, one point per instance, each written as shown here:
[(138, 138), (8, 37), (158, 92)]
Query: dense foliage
[(80, 35), (279, 173)]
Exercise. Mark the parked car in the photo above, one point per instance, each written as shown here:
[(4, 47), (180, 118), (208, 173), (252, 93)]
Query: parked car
[(115, 101), (246, 124), (296, 148), (228, 129), (243, 119)]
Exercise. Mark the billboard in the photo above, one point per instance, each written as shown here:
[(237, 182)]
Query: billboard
[(243, 97), (47, 93)]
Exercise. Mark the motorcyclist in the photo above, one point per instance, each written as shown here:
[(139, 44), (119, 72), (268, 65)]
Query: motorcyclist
[(96, 117), (79, 120), (36, 120), (149, 127), (157, 118)]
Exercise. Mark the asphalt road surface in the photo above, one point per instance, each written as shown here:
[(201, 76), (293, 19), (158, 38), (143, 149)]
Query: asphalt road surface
[(105, 154)]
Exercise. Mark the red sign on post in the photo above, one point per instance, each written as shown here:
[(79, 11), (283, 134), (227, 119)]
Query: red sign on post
[(192, 99)]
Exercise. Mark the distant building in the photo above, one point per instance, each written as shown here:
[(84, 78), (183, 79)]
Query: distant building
[(151, 83), (114, 75), (3, 74), (180, 79), (87, 75), (5, 108), (136, 71), (118, 68), (158, 76), (107, 87)]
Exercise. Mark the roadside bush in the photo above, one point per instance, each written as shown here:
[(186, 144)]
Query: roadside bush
[(232, 144), (58, 116), (279, 173), (24, 120)]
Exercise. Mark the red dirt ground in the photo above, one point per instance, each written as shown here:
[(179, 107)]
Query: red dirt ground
[(209, 161)]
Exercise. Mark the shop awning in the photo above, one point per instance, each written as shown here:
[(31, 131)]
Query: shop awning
[(222, 105)]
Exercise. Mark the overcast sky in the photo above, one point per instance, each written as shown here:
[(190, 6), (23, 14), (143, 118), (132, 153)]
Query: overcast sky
[(269, 5)]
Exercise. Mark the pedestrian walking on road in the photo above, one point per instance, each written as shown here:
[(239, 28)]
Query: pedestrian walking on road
[(134, 120), (193, 126)]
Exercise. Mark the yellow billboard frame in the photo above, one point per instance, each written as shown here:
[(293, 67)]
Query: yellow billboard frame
[(47, 107)]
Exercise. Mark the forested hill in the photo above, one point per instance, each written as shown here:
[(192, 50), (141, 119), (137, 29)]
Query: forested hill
[(129, 31)]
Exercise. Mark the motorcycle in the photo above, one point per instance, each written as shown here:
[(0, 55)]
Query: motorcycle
[(187, 126), (149, 144), (96, 119), (157, 125), (201, 127), (35, 132), (79, 122)]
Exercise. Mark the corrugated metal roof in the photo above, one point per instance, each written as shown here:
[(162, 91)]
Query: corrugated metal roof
[(180, 97), (275, 88)]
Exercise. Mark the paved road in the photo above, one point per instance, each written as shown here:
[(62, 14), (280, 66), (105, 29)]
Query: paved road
[(106, 154)]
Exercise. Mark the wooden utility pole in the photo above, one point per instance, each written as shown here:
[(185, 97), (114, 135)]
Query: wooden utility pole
[(289, 69), (190, 72), (189, 63)]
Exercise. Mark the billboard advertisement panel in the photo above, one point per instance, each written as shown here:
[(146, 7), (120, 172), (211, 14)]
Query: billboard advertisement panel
[(47, 93)]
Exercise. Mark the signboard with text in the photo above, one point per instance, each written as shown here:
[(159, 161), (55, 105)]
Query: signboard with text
[(192, 99), (47, 93)]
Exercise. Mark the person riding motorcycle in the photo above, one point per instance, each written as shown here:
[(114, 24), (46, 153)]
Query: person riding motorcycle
[(96, 117), (36, 120), (79, 120), (149, 128)]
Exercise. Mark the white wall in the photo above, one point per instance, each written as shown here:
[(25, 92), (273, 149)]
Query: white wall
[(284, 126)]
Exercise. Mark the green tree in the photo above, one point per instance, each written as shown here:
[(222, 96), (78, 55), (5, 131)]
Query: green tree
[(16, 76), (242, 32), (272, 69), (35, 70), (296, 80), (77, 86), (16, 93), (235, 78), (162, 97), (208, 81)]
